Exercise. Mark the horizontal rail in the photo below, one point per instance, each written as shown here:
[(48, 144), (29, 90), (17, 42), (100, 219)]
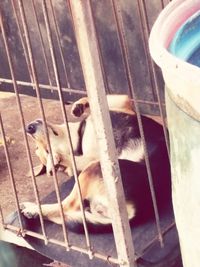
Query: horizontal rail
[(44, 86), (25, 232), (70, 90)]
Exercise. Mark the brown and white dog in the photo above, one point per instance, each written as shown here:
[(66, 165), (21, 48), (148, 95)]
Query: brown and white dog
[(131, 161), (82, 134)]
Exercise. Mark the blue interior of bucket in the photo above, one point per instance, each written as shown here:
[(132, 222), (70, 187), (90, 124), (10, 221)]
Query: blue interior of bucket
[(186, 42)]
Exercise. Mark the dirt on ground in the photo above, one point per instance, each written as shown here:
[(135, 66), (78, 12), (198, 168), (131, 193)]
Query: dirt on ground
[(12, 124)]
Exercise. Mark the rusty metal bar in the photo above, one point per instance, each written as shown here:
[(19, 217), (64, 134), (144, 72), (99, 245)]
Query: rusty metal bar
[(88, 243), (42, 43), (100, 54), (58, 37), (8, 81), (24, 132), (35, 79), (108, 258), (164, 231), (13, 3), (88, 50), (44, 86), (9, 163), (125, 53), (145, 32)]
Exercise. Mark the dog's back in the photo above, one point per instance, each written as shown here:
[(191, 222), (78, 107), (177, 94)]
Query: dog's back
[(127, 136)]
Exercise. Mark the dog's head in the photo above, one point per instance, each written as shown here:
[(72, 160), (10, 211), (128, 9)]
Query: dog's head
[(36, 130)]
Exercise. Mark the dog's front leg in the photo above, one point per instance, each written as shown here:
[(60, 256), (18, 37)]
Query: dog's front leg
[(56, 161), (52, 212)]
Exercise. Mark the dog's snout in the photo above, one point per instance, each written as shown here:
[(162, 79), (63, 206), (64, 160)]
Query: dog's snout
[(31, 128)]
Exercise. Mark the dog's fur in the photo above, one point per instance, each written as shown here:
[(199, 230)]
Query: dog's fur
[(85, 147), (82, 134), (132, 165), (96, 204)]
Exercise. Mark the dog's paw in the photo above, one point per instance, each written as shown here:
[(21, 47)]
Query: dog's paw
[(80, 107), (77, 110), (29, 210)]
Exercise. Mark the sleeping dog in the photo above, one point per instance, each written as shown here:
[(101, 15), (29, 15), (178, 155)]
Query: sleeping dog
[(82, 134), (131, 161), (96, 204)]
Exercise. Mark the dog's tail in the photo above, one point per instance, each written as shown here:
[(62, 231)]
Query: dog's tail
[(94, 223)]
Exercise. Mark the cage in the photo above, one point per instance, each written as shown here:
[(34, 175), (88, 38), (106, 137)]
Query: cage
[(50, 52)]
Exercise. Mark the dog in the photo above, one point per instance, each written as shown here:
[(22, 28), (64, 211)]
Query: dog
[(131, 162), (83, 136), (96, 204), (58, 135)]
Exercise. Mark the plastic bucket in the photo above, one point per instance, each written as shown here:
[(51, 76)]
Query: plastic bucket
[(174, 52)]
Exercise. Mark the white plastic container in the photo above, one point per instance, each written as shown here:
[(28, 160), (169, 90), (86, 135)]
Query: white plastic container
[(183, 114), (184, 78)]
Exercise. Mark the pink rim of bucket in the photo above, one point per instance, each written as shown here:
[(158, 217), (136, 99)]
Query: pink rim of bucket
[(181, 78), (163, 31)]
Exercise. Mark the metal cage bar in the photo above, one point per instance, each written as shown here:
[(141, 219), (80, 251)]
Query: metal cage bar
[(42, 44), (95, 78), (65, 121), (10, 173), (91, 64), (24, 133), (125, 52), (145, 32), (35, 79), (58, 35)]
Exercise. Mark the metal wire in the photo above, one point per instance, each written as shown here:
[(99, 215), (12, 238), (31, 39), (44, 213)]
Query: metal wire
[(24, 134), (65, 121), (145, 33), (107, 258), (21, 34), (126, 60), (9, 166), (45, 86), (35, 79), (42, 43), (58, 37), (26, 44)]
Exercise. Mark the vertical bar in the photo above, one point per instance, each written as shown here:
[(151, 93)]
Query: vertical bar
[(100, 54), (42, 43), (125, 53), (58, 37), (65, 121), (88, 50), (23, 128), (145, 32), (10, 169), (35, 79), (13, 3)]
